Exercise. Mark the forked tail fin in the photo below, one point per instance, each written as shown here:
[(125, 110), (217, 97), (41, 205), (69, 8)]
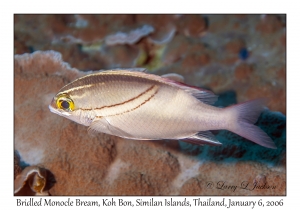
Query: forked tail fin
[(241, 121)]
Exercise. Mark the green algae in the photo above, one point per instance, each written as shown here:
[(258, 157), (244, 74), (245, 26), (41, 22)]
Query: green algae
[(156, 59)]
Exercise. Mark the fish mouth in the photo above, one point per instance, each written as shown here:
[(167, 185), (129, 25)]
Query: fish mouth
[(53, 109)]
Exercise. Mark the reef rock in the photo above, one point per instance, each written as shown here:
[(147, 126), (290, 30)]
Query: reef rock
[(106, 165)]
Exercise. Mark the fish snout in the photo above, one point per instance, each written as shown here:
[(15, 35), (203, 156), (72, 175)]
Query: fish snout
[(53, 104)]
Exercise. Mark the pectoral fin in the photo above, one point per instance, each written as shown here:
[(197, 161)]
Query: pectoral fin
[(103, 126)]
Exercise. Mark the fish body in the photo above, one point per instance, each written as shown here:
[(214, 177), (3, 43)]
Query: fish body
[(136, 105)]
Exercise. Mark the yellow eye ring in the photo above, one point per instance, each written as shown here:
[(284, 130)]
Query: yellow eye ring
[(65, 102)]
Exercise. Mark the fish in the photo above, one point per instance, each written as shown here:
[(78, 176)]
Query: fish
[(134, 104)]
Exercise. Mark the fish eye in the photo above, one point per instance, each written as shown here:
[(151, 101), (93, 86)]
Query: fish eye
[(65, 102)]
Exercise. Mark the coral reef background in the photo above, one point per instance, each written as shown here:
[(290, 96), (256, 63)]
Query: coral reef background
[(239, 57)]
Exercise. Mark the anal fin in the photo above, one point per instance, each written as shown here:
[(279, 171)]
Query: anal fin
[(202, 138)]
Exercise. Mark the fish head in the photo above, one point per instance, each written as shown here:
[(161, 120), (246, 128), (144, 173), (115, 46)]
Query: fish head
[(63, 105)]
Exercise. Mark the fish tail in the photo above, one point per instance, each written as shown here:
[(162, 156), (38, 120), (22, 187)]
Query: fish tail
[(241, 121)]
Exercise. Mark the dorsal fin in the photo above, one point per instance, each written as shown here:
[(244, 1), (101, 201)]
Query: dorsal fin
[(174, 76), (128, 69), (205, 96), (202, 95)]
